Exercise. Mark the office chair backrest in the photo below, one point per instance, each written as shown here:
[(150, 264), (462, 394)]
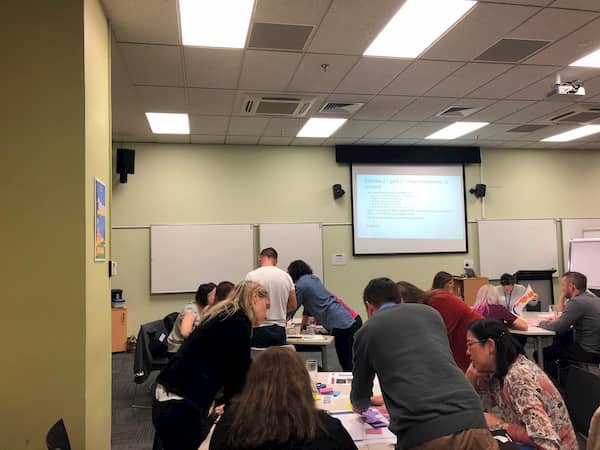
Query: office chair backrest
[(57, 438), (583, 397)]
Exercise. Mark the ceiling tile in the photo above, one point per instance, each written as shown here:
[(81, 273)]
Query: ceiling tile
[(172, 138), (371, 141), (551, 24), (390, 130), (590, 5), (467, 78), (293, 12), (144, 69), (154, 23), (270, 140), (544, 132), (520, 2), (350, 25), (210, 101), (268, 71), (356, 128), (210, 125), (401, 141), (420, 76), (532, 112), (339, 141), (488, 22), (471, 103), (370, 75), (495, 132), (308, 141), (312, 77), (212, 67), (247, 126), (500, 109), (422, 130), (283, 127), (161, 99), (241, 140), (382, 107), (423, 108), (205, 139), (536, 91), (512, 81), (569, 49)]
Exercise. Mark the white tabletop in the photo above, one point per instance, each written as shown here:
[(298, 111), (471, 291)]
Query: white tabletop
[(533, 319), (309, 339)]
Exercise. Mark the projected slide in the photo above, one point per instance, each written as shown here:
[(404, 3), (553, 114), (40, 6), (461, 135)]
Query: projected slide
[(408, 209)]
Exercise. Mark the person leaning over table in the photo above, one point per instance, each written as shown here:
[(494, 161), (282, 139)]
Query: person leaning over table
[(509, 292), (276, 410), (531, 409), (488, 304), (582, 312), (320, 303), (456, 314), (216, 356), (431, 404)]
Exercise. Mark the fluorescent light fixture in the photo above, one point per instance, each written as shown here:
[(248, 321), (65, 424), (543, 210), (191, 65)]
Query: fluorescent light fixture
[(320, 127), (215, 23), (417, 25), (168, 123), (573, 134), (456, 130), (591, 60)]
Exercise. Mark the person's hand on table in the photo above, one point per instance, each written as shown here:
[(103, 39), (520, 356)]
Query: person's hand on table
[(377, 400)]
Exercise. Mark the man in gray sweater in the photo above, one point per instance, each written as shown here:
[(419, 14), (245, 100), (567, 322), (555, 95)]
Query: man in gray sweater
[(430, 402), (582, 313)]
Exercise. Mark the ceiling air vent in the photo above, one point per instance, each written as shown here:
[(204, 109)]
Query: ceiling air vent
[(340, 107), (458, 111), (528, 128), (276, 106), (579, 114)]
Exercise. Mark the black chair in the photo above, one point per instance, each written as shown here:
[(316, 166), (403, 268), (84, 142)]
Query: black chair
[(582, 397), (57, 437)]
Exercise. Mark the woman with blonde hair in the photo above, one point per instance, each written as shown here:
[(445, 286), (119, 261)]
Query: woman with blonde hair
[(276, 410), (489, 306), (215, 356)]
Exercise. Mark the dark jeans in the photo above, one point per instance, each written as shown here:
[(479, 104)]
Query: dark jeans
[(344, 340), (562, 353), (179, 425), (268, 336)]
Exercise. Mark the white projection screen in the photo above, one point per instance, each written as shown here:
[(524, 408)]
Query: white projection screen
[(408, 209)]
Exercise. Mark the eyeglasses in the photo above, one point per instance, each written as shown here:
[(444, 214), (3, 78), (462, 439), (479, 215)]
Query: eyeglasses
[(471, 343)]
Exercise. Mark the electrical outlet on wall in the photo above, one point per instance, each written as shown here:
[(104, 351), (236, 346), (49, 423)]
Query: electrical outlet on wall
[(468, 264)]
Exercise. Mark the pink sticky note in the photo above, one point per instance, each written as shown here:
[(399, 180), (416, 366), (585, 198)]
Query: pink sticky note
[(370, 430)]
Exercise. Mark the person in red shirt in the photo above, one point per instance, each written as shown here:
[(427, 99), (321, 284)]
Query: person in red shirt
[(456, 314)]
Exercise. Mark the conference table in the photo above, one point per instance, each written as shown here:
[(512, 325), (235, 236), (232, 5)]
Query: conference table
[(311, 342), (533, 319)]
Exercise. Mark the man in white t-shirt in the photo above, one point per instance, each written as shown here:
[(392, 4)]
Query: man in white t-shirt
[(282, 295)]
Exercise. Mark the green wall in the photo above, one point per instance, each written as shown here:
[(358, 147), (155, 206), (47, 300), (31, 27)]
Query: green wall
[(45, 169), (252, 184)]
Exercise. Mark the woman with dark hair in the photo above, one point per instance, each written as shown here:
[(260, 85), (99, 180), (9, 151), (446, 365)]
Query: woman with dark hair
[(190, 317), (223, 289), (216, 356), (322, 304), (456, 314), (532, 410), (277, 411), (443, 280)]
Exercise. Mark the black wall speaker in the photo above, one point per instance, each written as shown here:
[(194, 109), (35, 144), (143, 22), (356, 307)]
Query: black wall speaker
[(125, 163), (478, 191), (338, 192)]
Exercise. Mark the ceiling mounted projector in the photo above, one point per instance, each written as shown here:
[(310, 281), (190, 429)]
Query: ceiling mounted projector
[(566, 89)]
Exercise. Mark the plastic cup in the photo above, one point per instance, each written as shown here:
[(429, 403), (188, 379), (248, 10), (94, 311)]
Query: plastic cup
[(312, 367)]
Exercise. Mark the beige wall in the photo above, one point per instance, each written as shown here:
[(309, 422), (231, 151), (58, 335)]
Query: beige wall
[(45, 227), (253, 184)]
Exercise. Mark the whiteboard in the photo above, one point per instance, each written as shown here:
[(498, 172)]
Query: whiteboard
[(591, 233), (294, 241), (184, 256), (572, 229), (511, 245), (584, 257)]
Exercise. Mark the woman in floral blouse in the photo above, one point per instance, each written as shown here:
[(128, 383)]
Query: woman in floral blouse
[(530, 408)]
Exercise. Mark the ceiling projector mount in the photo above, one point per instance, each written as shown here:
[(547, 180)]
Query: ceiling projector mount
[(566, 88)]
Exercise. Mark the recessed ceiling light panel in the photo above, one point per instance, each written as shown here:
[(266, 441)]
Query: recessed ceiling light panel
[(591, 60), (417, 25), (168, 123), (571, 135), (215, 23), (456, 130), (320, 127)]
